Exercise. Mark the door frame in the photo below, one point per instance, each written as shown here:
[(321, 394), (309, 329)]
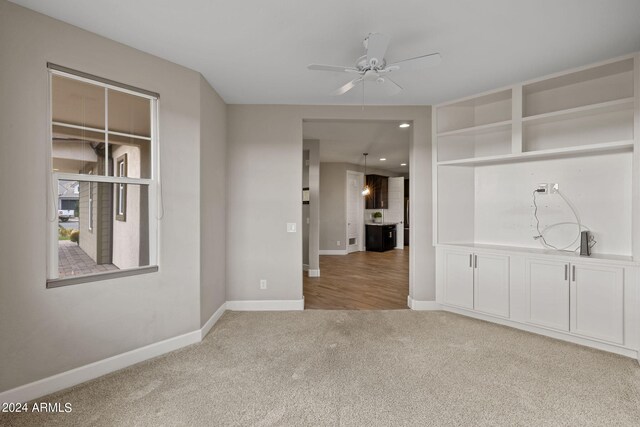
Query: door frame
[(359, 214)]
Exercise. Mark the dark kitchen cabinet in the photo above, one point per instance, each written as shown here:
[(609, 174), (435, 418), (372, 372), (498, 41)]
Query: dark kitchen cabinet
[(381, 238), (378, 198)]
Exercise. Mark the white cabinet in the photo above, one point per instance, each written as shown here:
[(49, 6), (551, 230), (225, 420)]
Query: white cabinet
[(477, 281), (458, 278), (491, 284), (597, 302), (547, 290), (581, 298), (589, 301)]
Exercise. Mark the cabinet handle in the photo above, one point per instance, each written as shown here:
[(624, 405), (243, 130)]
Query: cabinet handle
[(476, 260), (470, 260), (566, 272), (573, 268), (390, 234)]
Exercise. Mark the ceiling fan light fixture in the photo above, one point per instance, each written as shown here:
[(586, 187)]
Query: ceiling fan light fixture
[(404, 125)]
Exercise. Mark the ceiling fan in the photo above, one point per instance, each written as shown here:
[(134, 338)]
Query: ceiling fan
[(372, 66)]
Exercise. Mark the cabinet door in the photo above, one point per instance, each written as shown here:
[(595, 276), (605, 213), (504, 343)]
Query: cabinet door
[(491, 284), (383, 193), (389, 236), (597, 302), (547, 287), (458, 278), (374, 238)]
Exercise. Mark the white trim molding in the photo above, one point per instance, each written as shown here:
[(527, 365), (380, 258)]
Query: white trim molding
[(422, 305), (612, 348), (314, 273), (266, 305), (332, 252), (97, 369), (212, 321)]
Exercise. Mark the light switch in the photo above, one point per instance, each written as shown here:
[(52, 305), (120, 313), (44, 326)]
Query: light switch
[(291, 227)]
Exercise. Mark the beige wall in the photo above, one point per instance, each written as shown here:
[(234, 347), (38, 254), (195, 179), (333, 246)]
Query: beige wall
[(213, 197), (47, 331), (264, 147)]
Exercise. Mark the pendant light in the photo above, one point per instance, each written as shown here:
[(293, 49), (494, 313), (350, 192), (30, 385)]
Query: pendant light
[(366, 190)]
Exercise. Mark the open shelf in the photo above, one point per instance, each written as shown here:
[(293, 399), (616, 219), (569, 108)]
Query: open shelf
[(626, 145), (480, 129), (473, 114), (591, 86), (583, 111)]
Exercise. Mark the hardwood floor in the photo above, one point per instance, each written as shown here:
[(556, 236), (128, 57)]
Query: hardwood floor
[(360, 281)]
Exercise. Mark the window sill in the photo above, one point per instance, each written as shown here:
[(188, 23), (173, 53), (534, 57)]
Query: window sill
[(76, 280)]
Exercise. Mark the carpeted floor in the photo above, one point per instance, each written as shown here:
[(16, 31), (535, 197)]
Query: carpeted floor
[(360, 368)]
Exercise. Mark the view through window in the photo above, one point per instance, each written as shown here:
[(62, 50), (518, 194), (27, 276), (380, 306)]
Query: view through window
[(102, 144)]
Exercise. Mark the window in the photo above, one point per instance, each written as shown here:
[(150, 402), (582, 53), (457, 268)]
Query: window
[(103, 154)]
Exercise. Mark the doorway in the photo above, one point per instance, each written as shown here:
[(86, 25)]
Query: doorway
[(352, 272), (355, 212)]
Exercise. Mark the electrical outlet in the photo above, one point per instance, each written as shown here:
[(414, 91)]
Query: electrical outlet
[(263, 283), (553, 187), (291, 227), (338, 243), (544, 187)]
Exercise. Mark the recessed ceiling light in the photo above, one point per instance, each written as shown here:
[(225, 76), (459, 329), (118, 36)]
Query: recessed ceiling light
[(382, 159), (403, 164), (404, 125)]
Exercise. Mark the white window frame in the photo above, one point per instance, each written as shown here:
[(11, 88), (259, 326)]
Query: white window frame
[(152, 182)]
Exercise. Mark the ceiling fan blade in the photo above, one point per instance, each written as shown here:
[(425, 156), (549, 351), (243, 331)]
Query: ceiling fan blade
[(391, 87), (320, 67), (376, 47), (346, 88), (425, 61)]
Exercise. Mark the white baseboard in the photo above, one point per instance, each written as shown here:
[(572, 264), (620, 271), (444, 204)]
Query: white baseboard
[(266, 305), (332, 252), (212, 321), (314, 273), (612, 348), (97, 369), (422, 305)]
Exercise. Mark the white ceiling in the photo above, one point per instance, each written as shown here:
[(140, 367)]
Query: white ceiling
[(346, 140), (256, 51)]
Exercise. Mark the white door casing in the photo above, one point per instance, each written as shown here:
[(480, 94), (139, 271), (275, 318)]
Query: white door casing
[(355, 212), (395, 209)]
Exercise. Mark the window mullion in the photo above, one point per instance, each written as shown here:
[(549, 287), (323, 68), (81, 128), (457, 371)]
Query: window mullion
[(106, 132)]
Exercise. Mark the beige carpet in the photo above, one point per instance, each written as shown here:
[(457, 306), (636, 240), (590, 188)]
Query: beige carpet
[(361, 368)]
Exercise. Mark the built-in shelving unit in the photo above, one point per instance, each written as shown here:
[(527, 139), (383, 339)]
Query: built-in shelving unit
[(579, 129), (569, 128)]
